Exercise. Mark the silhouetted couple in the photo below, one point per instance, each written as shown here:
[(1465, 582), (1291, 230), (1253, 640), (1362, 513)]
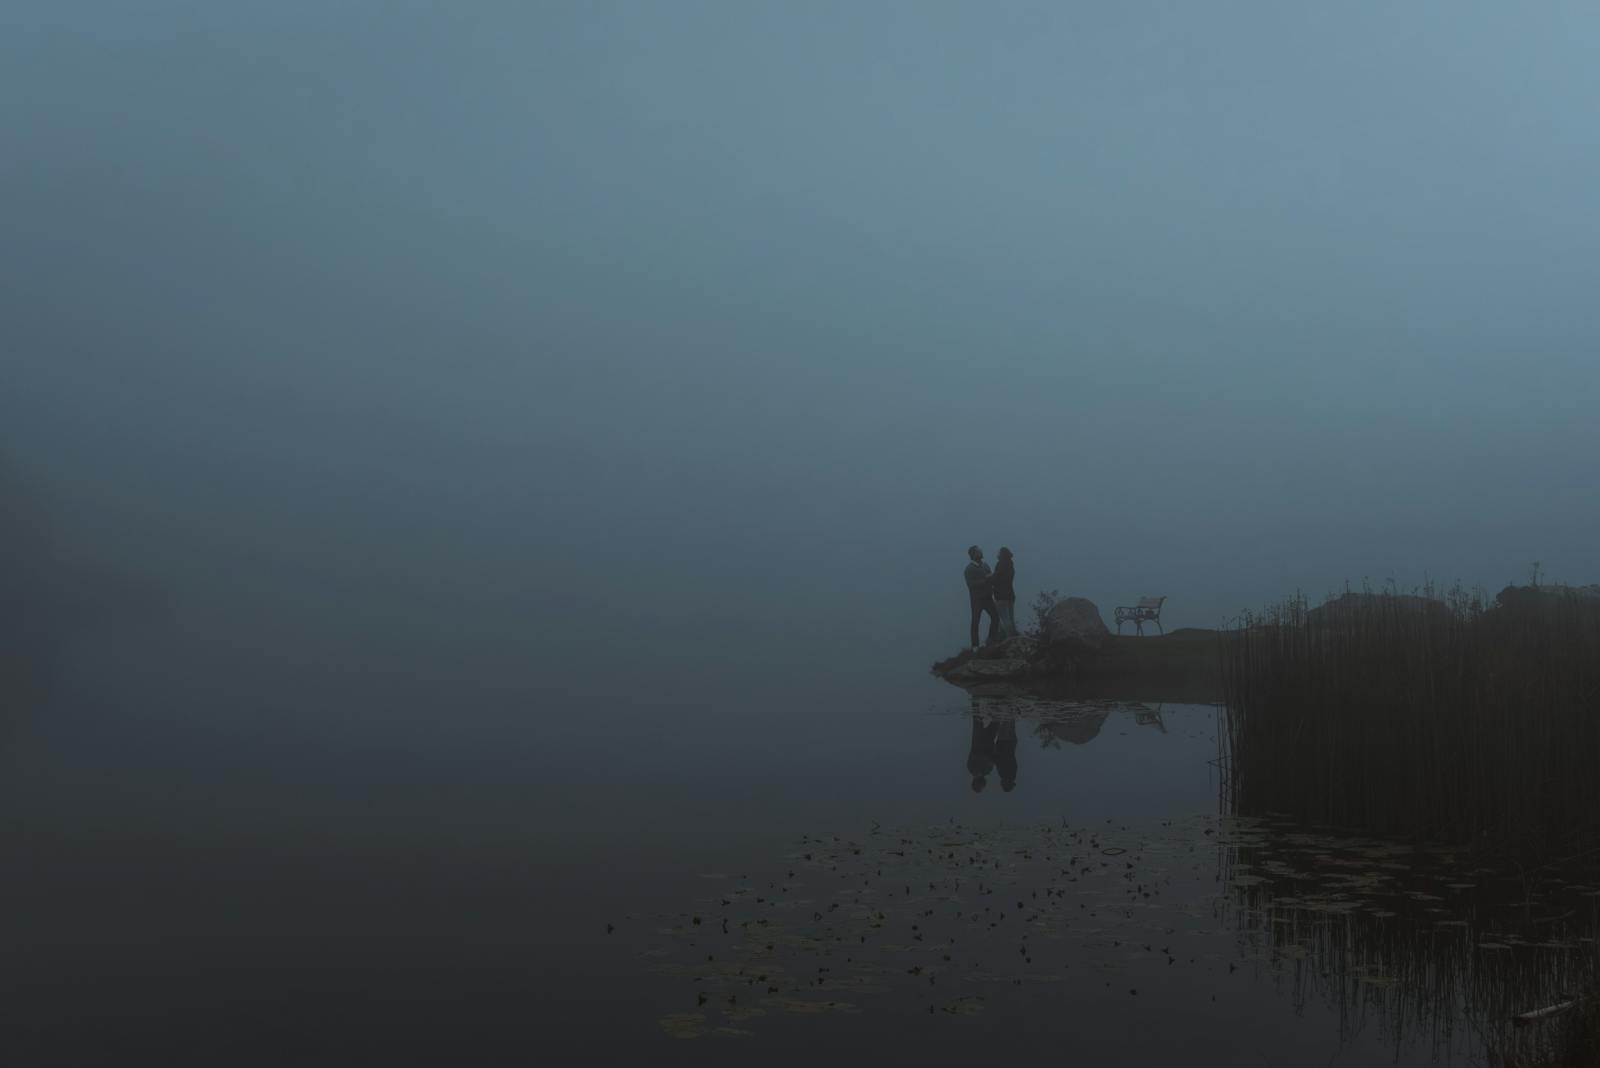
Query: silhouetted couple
[(992, 592), (994, 745)]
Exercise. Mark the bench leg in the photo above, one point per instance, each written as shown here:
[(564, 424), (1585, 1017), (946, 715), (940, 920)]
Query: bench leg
[(1159, 630)]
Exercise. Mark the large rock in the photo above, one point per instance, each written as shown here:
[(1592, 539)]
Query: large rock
[(1548, 593), (1076, 619), (1077, 728), (1351, 606), (1549, 602)]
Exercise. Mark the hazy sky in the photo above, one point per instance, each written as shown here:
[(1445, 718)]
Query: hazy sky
[(683, 321)]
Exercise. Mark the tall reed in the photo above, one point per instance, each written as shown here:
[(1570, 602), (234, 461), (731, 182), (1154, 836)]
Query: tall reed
[(1437, 717)]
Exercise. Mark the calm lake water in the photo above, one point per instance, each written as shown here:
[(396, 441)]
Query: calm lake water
[(422, 852)]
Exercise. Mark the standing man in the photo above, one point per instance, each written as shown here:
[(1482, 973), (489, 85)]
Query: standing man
[(981, 595), (1005, 594)]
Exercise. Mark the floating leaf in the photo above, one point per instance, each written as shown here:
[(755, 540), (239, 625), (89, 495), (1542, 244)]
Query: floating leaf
[(684, 1024)]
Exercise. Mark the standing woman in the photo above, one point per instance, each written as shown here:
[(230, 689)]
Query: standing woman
[(1005, 594)]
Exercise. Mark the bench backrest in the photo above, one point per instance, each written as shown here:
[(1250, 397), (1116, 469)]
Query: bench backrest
[(1151, 602)]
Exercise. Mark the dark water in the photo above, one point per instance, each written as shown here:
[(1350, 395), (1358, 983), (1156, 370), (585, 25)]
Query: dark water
[(344, 853)]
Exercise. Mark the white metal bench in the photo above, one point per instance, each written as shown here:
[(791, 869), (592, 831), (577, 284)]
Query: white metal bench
[(1147, 610)]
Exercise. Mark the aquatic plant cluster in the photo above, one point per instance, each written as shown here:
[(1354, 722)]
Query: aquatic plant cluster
[(939, 920), (1414, 943), (1435, 717)]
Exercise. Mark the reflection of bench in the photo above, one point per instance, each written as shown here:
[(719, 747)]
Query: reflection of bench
[(1148, 609), (1147, 717)]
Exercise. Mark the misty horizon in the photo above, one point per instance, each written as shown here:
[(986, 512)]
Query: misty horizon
[(1175, 336)]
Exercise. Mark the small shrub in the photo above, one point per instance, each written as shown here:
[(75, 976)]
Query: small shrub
[(1041, 608)]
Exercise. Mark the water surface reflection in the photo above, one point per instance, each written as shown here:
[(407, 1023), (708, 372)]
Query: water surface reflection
[(1363, 950)]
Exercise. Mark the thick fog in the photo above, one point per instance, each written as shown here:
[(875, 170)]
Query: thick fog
[(669, 342)]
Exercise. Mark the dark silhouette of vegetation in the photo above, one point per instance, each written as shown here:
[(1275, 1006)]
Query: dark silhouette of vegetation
[(1041, 608), (1440, 718)]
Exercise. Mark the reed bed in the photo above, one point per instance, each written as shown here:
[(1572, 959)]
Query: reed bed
[(1439, 717)]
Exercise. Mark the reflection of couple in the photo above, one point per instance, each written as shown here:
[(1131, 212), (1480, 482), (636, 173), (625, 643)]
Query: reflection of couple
[(994, 747)]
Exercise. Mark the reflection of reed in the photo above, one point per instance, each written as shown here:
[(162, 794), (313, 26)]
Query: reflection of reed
[(1403, 939)]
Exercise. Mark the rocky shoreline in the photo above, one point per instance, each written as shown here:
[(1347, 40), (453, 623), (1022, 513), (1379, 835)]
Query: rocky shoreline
[(1075, 653)]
